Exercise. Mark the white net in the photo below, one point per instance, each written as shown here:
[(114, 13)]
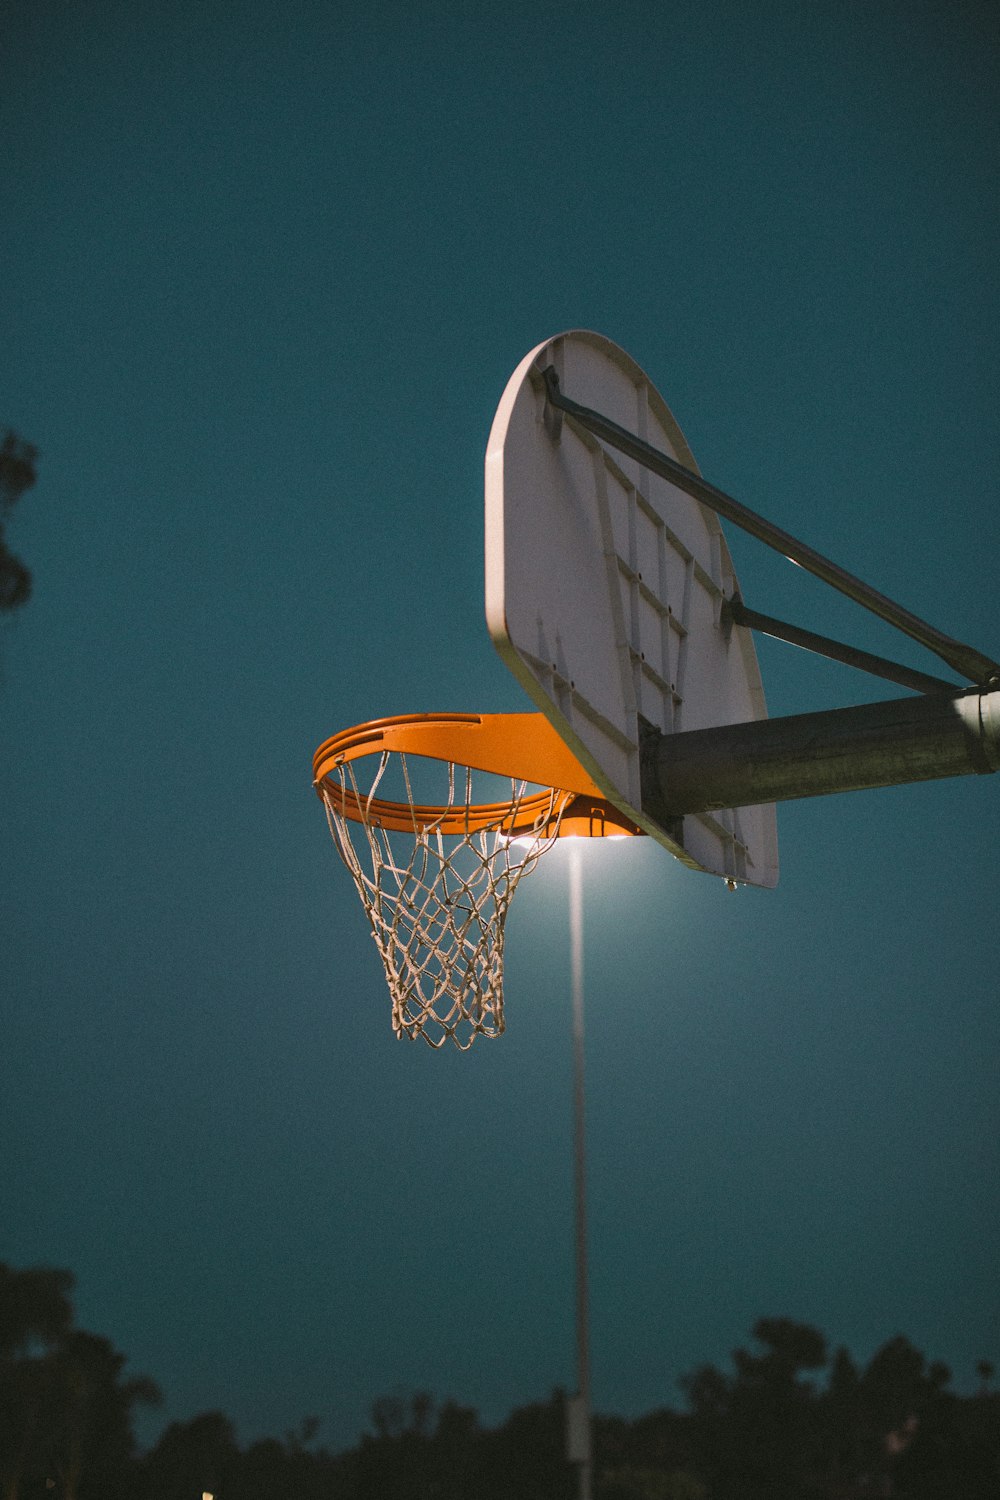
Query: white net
[(438, 900)]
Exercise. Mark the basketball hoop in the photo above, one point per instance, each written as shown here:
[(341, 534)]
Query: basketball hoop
[(437, 878)]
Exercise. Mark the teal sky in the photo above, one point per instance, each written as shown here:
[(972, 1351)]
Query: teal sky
[(265, 272)]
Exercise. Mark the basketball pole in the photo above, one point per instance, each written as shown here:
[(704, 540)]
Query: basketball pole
[(812, 755), (579, 1444)]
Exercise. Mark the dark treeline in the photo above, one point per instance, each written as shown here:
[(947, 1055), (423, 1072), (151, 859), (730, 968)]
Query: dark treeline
[(788, 1422), (17, 474)]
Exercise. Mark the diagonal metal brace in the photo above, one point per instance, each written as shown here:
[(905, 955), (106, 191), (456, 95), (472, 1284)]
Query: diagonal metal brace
[(892, 671), (970, 663)]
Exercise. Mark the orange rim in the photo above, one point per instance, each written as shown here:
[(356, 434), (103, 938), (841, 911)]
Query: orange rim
[(524, 747)]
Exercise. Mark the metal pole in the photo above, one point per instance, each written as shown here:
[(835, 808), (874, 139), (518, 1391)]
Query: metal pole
[(580, 1442), (811, 755)]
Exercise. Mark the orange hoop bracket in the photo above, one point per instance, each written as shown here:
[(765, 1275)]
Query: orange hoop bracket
[(524, 747)]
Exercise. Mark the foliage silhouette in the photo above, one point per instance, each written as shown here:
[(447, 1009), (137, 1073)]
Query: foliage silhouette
[(787, 1423), (65, 1410), (17, 474)]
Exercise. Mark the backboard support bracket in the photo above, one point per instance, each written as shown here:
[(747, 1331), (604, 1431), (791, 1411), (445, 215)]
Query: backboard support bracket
[(970, 663), (654, 804)]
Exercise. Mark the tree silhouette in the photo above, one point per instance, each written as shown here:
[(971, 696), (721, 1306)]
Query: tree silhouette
[(88, 1429), (17, 474), (35, 1312), (34, 1308), (757, 1435), (192, 1458), (769, 1429), (65, 1411)]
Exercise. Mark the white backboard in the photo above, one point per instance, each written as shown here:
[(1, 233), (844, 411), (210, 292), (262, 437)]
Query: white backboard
[(604, 592)]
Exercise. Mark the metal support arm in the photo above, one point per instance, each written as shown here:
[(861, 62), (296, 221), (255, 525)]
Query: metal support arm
[(970, 663), (810, 755)]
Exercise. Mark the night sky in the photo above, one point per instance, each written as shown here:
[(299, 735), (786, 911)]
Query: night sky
[(264, 273)]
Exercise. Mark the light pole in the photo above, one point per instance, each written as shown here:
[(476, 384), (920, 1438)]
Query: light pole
[(578, 1436)]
